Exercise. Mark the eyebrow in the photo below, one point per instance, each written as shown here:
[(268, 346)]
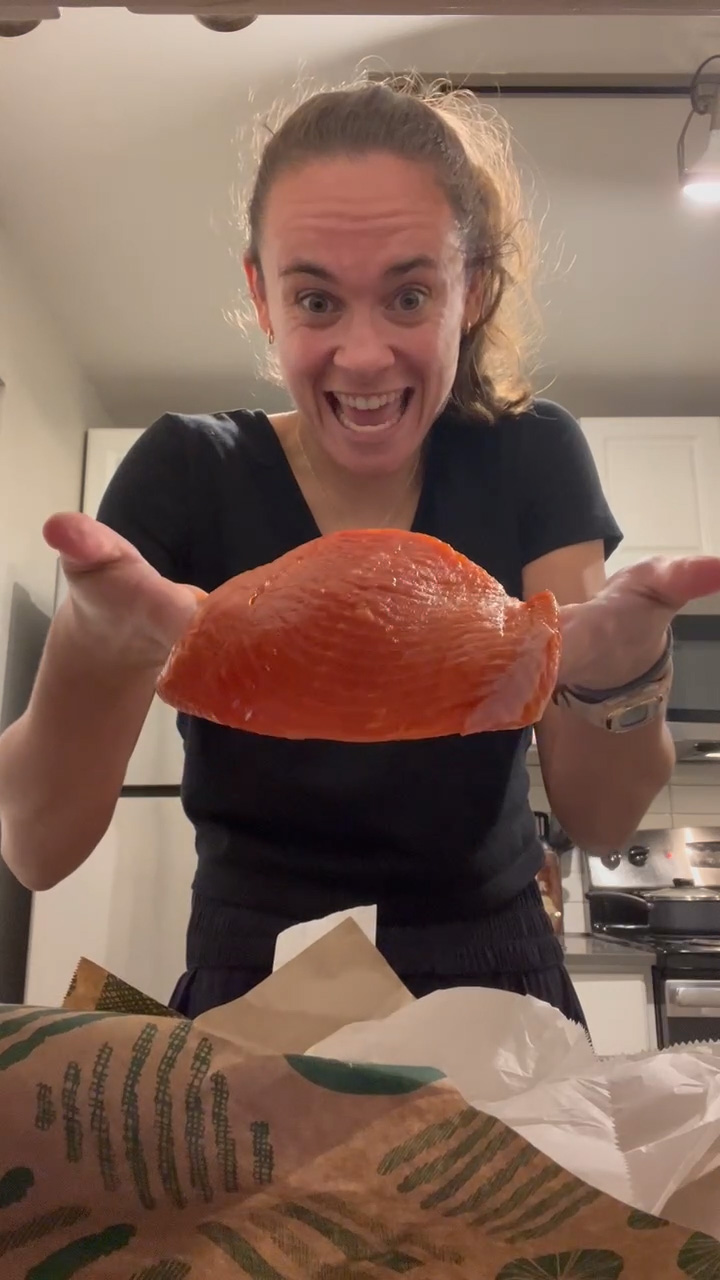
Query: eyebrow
[(305, 268)]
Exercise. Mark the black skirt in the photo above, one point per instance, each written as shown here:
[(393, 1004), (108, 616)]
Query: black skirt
[(231, 949)]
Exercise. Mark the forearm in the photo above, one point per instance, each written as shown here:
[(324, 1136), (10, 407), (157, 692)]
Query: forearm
[(600, 784), (62, 764)]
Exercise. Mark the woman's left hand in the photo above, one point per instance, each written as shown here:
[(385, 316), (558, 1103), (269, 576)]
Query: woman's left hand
[(620, 633)]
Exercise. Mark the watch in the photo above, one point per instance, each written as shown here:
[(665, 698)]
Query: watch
[(629, 706)]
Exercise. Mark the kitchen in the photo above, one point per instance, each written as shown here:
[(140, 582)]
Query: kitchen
[(96, 336)]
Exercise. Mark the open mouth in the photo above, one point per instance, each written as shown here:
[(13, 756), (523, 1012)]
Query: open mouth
[(369, 413)]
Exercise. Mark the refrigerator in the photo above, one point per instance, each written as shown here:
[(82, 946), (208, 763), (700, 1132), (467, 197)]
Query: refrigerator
[(128, 905)]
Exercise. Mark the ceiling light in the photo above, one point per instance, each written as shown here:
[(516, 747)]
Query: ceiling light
[(226, 24), (18, 27), (701, 181)]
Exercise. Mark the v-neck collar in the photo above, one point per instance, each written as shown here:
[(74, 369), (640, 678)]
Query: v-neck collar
[(295, 504)]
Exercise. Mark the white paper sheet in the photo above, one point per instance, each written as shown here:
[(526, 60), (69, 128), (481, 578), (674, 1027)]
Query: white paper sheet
[(299, 936), (645, 1130)]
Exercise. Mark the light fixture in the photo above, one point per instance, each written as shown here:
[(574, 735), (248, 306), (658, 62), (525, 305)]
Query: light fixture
[(218, 23), (701, 182), (18, 26)]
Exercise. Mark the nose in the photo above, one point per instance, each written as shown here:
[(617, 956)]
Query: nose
[(363, 347)]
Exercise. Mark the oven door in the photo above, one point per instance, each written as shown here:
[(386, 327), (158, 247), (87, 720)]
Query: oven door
[(690, 1010)]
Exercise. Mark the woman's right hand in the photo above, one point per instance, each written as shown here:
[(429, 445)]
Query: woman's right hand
[(121, 607)]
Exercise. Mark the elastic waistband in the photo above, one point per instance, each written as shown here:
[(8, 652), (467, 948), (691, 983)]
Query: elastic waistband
[(515, 938)]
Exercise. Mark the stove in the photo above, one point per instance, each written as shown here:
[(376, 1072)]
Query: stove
[(686, 971)]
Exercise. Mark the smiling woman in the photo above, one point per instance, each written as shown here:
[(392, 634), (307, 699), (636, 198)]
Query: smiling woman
[(419, 185), (388, 260)]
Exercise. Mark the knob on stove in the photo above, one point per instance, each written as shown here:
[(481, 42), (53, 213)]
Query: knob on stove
[(638, 855), (611, 860)]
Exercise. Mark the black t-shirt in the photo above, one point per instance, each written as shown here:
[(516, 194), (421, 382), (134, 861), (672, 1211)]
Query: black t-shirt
[(431, 830)]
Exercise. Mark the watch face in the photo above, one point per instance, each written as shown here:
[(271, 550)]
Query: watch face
[(634, 716)]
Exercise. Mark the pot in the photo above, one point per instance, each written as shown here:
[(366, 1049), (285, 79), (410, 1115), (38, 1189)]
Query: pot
[(687, 910)]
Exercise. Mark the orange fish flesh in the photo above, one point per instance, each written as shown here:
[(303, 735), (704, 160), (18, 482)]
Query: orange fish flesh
[(371, 635)]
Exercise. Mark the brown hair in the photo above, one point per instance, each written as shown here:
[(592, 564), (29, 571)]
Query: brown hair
[(467, 146)]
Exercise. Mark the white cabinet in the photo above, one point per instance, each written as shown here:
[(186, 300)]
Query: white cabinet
[(618, 1008), (661, 478), (158, 756), (126, 907)]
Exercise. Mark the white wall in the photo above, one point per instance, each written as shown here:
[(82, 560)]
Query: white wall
[(45, 407), (691, 800)]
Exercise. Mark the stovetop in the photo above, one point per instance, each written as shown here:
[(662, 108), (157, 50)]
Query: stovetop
[(654, 860), (640, 937), (658, 859)]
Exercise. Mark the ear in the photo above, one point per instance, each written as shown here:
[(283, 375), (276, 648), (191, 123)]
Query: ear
[(256, 285), (474, 300)]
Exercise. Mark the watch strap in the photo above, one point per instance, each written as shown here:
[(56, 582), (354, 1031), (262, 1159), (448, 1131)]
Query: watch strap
[(628, 706), (649, 677)]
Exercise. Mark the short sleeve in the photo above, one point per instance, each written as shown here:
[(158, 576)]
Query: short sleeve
[(561, 502), (149, 498)]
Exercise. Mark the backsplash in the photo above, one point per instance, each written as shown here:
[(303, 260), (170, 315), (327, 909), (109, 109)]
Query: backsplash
[(691, 800)]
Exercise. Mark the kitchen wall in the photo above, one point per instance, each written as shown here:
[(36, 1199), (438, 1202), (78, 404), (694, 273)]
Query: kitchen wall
[(45, 407), (691, 800)]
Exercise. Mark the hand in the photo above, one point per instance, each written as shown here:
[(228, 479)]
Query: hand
[(621, 632), (121, 606)]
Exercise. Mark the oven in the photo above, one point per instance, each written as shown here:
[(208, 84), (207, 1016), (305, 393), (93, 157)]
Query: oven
[(681, 863), (687, 1006)]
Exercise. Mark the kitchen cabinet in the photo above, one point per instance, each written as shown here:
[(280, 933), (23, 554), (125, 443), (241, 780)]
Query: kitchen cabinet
[(618, 1011), (126, 907), (660, 476), (615, 988)]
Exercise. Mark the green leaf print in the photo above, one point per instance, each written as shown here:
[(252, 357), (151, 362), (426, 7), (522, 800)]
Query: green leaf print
[(584, 1264), (361, 1079), (22, 1049), (168, 1269), (700, 1257), (44, 1224), (66, 1262), (239, 1249), (639, 1221), (14, 1185)]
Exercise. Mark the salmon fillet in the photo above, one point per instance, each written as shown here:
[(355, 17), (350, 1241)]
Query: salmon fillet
[(366, 636)]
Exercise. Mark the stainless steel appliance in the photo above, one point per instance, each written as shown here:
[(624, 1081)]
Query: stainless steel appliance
[(686, 971), (694, 703)]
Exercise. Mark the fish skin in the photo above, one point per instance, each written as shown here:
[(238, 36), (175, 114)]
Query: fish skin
[(372, 635)]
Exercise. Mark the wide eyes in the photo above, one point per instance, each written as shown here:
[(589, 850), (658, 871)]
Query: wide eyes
[(320, 305)]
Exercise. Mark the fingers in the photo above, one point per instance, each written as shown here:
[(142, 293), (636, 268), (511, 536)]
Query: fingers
[(83, 544), (674, 583)]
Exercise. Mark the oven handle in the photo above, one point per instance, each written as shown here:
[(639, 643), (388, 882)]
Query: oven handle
[(696, 999)]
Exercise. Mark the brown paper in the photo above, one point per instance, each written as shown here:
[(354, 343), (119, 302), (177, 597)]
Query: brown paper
[(143, 1148), (342, 977), (92, 987)]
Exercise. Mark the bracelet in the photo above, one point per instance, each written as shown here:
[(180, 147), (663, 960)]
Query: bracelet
[(592, 696)]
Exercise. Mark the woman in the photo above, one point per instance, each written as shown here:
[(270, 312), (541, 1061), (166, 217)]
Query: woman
[(383, 267)]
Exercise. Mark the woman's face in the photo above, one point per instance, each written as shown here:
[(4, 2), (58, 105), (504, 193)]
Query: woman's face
[(364, 286)]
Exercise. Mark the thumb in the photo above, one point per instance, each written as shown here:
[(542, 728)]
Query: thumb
[(84, 544), (674, 583)]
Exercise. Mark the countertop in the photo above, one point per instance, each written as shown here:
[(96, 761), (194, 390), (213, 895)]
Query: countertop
[(586, 951)]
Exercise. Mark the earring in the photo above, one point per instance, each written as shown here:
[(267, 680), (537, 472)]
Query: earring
[(270, 337)]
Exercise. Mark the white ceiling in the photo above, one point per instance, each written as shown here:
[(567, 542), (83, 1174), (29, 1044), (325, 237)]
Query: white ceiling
[(119, 145)]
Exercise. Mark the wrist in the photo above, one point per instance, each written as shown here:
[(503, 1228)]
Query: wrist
[(626, 706)]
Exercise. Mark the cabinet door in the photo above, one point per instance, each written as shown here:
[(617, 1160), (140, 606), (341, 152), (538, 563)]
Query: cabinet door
[(619, 1011), (660, 476), (127, 907), (158, 756)]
